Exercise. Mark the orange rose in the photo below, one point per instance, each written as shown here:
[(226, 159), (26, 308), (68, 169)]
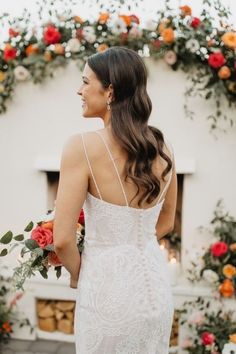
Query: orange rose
[(126, 19), (78, 19), (186, 10), (47, 56), (232, 338), (102, 47), (48, 225), (226, 288), (232, 247), (163, 25), (59, 49), (229, 271), (103, 17), (32, 49), (224, 72), (168, 35), (229, 39), (6, 327)]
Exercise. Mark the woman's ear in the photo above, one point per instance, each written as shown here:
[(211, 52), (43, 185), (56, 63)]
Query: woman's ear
[(110, 92)]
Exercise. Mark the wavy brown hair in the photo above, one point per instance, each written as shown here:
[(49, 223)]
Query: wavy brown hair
[(131, 107)]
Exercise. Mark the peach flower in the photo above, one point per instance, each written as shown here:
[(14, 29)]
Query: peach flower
[(226, 288), (102, 47), (168, 35), (224, 72), (186, 10), (232, 247), (32, 49), (229, 271), (229, 40), (103, 17), (232, 338)]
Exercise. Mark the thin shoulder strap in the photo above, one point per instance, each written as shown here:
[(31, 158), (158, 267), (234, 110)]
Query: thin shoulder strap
[(90, 167), (169, 180), (112, 159)]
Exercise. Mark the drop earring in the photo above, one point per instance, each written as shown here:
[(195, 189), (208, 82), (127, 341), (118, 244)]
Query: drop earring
[(108, 106)]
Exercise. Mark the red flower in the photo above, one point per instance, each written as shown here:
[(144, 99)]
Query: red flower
[(157, 43), (79, 33), (81, 217), (216, 60), (42, 236), (53, 259), (9, 53), (207, 338), (51, 35), (219, 249), (12, 32), (195, 22)]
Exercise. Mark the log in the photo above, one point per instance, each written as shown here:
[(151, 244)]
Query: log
[(65, 305), (47, 324), (46, 311), (65, 326)]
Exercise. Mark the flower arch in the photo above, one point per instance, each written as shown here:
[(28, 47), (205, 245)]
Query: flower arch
[(183, 40)]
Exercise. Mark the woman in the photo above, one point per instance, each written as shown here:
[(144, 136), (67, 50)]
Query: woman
[(125, 175)]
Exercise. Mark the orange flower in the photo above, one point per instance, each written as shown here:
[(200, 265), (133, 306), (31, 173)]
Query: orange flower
[(2, 76), (6, 327), (229, 271), (232, 247), (47, 56), (102, 47), (229, 39), (224, 72), (232, 338), (168, 35), (48, 225), (78, 19), (163, 25), (32, 49), (126, 19), (226, 288), (186, 10), (103, 17), (59, 49)]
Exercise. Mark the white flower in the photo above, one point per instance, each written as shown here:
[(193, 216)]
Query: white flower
[(192, 45), (150, 25), (89, 34), (210, 276), (21, 73), (117, 26), (170, 57), (229, 348), (135, 31), (73, 45)]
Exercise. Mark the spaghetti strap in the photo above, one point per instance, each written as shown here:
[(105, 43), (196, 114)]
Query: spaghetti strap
[(112, 159), (90, 167), (169, 180)]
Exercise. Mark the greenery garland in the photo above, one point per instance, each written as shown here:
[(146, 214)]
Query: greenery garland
[(205, 47)]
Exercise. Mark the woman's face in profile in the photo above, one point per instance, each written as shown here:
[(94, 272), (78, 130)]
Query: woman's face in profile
[(93, 95)]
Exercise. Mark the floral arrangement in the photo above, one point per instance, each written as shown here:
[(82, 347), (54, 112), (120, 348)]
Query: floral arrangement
[(178, 36), (8, 315), (218, 266), (37, 251), (210, 332)]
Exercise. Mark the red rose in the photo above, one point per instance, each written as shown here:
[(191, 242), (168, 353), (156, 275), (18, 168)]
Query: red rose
[(207, 338), (51, 35), (53, 259), (81, 217), (9, 53), (216, 60), (42, 236), (219, 249), (195, 22), (12, 32)]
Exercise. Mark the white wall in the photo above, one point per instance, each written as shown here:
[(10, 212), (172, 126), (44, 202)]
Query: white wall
[(41, 118)]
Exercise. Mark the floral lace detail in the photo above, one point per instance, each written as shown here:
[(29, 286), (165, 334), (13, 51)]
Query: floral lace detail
[(124, 303)]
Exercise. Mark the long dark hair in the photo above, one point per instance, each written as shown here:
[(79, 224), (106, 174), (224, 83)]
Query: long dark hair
[(131, 107)]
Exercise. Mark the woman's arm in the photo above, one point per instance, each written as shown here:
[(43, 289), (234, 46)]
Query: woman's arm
[(165, 223), (72, 190)]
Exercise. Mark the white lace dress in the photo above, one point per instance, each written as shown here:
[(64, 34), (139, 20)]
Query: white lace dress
[(124, 302)]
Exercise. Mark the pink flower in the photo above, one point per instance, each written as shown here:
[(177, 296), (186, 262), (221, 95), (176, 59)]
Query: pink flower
[(219, 248), (53, 259), (170, 57), (207, 338), (196, 318), (187, 343), (42, 236)]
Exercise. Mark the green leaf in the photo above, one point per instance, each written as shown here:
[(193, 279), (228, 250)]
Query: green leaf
[(49, 247), (44, 272), (19, 237), (6, 238), (3, 252), (31, 244), (29, 227), (58, 271)]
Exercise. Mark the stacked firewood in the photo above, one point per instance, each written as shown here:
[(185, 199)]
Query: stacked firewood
[(175, 331), (55, 315)]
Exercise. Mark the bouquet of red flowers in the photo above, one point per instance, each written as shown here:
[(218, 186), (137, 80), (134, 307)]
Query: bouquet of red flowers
[(37, 251)]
